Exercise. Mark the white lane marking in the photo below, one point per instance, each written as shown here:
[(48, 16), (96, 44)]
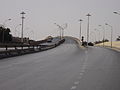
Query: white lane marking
[(73, 87), (77, 82), (81, 74)]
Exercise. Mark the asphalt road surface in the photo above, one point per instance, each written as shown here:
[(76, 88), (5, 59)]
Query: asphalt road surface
[(66, 67)]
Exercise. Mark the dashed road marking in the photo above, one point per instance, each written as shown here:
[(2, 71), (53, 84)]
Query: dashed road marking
[(73, 87), (77, 82), (83, 69), (81, 74)]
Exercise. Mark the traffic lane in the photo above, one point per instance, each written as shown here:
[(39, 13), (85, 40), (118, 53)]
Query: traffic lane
[(102, 70), (54, 69)]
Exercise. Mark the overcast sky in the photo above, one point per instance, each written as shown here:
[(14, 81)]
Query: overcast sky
[(42, 14)]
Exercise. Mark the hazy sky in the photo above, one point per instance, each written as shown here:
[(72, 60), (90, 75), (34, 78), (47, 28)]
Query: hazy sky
[(42, 14)]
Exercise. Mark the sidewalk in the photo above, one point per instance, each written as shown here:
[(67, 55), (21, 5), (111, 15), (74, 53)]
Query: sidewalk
[(115, 45)]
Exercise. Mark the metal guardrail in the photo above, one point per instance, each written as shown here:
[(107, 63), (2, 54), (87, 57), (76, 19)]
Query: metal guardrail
[(28, 49)]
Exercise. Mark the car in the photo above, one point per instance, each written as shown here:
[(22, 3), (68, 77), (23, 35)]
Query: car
[(90, 44)]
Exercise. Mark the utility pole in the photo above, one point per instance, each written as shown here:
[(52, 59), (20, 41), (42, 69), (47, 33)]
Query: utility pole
[(80, 29), (61, 30), (103, 34), (88, 15), (22, 13), (111, 32)]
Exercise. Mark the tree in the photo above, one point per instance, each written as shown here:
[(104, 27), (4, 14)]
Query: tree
[(5, 35)]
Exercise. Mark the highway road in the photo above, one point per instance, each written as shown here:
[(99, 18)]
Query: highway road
[(66, 67)]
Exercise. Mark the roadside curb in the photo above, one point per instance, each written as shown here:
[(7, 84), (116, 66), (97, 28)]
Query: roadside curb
[(113, 48), (79, 44)]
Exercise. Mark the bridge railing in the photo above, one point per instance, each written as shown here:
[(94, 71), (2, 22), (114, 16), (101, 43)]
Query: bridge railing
[(20, 49)]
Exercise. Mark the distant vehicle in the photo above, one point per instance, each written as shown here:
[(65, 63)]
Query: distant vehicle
[(84, 43), (49, 40), (90, 44)]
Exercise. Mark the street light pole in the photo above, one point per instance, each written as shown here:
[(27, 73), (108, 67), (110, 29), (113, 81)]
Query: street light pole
[(16, 28), (61, 30), (88, 15), (103, 34), (95, 33), (116, 13), (22, 13), (80, 29), (111, 32)]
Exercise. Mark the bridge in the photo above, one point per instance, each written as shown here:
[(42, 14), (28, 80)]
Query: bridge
[(66, 67)]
